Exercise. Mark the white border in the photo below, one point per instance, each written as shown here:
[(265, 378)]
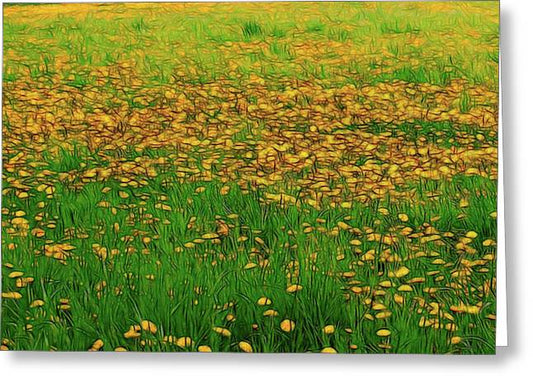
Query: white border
[(501, 273)]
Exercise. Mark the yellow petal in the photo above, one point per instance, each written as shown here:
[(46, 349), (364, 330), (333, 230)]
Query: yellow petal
[(184, 342), (294, 288), (329, 329), (403, 217), (383, 332), (287, 325), (222, 331), (400, 272), (37, 303), (11, 295), (97, 345), (455, 340), (264, 301), (245, 347), (149, 326)]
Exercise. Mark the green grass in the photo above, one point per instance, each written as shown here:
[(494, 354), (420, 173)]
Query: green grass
[(150, 59), (365, 31), (224, 280)]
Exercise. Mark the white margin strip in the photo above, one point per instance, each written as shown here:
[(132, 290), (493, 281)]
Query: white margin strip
[(501, 275)]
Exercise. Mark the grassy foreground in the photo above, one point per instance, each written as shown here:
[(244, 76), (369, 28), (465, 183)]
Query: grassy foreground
[(319, 179)]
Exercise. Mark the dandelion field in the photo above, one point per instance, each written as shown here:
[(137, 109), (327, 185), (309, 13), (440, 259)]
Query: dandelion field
[(250, 177)]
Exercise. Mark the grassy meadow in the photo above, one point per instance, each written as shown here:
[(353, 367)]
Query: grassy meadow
[(250, 177)]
